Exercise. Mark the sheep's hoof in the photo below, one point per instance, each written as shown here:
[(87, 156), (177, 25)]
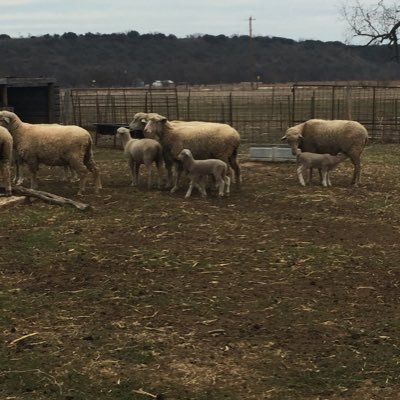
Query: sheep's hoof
[(173, 190)]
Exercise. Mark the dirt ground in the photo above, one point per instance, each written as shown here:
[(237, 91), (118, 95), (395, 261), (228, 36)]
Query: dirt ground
[(277, 292)]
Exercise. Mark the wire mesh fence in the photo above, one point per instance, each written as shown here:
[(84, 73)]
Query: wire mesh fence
[(261, 114)]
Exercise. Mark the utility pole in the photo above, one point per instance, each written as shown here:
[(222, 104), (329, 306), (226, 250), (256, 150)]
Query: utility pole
[(251, 51), (251, 19)]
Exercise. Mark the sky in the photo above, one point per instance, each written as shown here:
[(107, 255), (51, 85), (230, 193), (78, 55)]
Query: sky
[(294, 19)]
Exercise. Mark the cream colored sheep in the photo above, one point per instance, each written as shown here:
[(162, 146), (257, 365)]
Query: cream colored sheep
[(324, 162), (330, 136), (141, 151), (199, 170), (52, 144), (6, 156), (204, 139)]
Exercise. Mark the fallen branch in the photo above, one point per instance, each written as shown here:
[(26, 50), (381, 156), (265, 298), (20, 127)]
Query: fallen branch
[(49, 197), (15, 341)]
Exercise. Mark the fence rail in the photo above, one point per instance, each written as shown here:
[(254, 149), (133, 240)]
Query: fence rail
[(261, 114)]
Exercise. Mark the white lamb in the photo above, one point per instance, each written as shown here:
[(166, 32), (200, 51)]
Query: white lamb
[(53, 145), (324, 162), (141, 151), (199, 170)]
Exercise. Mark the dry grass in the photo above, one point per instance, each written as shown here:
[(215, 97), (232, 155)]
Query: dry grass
[(278, 292)]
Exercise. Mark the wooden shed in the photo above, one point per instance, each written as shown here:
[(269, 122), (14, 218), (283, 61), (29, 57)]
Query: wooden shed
[(34, 100)]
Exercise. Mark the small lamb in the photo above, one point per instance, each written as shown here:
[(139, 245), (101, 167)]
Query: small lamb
[(324, 162), (198, 171), (141, 151)]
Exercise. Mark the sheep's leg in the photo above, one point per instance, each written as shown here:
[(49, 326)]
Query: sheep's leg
[(178, 172), (201, 187), (227, 185), (79, 167), (328, 178), (236, 177), (92, 167), (221, 186), (33, 171), (159, 174), (189, 191), (355, 159), (168, 167), (300, 175), (136, 167), (324, 177), (131, 166), (5, 167), (149, 168), (19, 177)]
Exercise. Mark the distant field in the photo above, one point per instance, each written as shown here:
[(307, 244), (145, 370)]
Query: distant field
[(277, 292)]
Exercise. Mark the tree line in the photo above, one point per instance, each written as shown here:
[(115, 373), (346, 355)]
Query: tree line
[(133, 59)]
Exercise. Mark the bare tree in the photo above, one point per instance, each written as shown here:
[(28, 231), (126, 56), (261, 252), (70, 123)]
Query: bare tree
[(378, 23)]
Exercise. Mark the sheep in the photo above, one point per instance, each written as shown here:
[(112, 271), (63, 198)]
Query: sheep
[(198, 170), (330, 136), (324, 162), (6, 157), (141, 151), (204, 139), (53, 145)]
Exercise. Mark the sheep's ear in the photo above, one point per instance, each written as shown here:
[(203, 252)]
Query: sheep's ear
[(143, 121), (7, 120), (283, 138), (300, 136)]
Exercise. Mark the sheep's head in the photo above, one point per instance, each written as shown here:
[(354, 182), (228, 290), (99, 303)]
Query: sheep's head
[(4, 119), (139, 121), (122, 131), (155, 127), (294, 139), (184, 154)]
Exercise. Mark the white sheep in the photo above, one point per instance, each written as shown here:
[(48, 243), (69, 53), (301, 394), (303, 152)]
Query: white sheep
[(53, 145), (199, 170), (324, 162), (6, 156), (204, 139), (330, 136), (141, 151)]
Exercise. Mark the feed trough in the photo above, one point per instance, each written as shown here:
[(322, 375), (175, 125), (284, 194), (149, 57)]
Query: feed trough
[(272, 152)]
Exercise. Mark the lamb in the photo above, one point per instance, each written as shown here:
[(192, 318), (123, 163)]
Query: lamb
[(324, 162), (204, 139), (52, 144), (6, 157), (199, 170), (141, 151), (330, 136)]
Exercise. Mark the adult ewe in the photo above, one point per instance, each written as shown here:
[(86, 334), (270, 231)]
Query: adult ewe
[(330, 136), (6, 155), (204, 139), (52, 144)]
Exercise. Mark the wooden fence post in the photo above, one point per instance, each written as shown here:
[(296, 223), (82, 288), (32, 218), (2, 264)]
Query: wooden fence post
[(349, 105), (230, 109)]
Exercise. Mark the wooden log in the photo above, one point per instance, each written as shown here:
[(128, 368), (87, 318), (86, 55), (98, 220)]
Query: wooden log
[(49, 197)]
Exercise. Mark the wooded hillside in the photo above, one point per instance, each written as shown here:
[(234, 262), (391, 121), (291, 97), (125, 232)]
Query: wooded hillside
[(130, 59)]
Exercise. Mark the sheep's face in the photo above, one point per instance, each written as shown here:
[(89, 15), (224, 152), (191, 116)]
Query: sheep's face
[(184, 154), (154, 129), (294, 140), (137, 124)]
